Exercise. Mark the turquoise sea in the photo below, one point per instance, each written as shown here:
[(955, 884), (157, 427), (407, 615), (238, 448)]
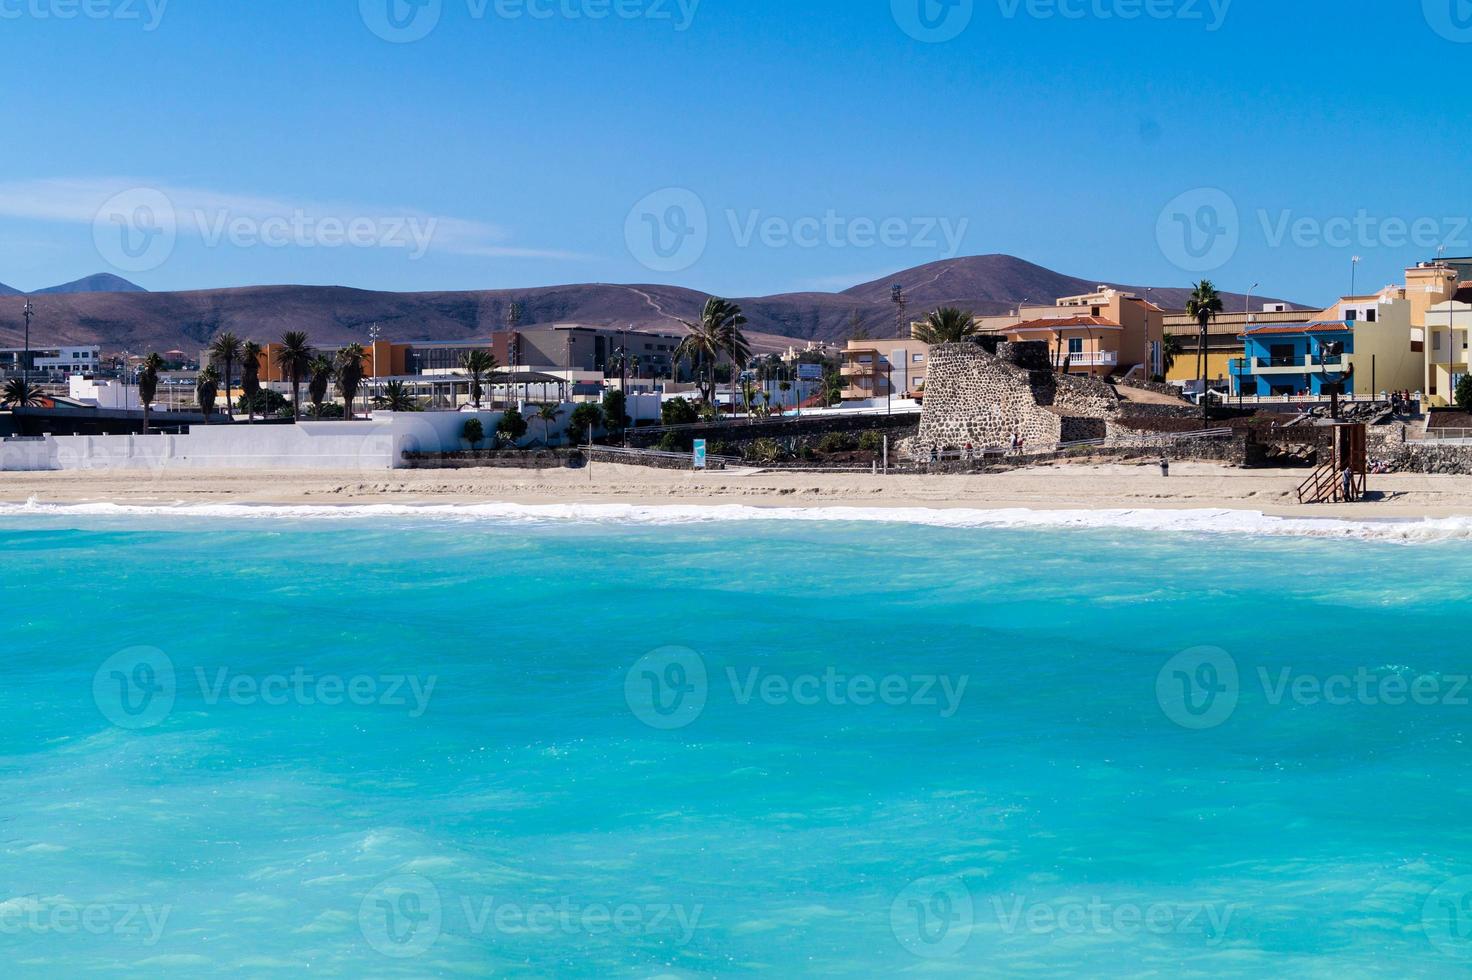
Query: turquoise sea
[(518, 744)]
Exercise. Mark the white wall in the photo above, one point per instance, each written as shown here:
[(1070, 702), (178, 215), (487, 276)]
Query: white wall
[(368, 446)]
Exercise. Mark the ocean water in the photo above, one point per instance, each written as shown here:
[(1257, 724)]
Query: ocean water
[(638, 743)]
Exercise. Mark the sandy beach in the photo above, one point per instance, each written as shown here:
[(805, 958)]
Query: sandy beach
[(1071, 487)]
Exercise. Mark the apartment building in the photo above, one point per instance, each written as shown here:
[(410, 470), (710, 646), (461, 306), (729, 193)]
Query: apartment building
[(884, 369), (1106, 332)]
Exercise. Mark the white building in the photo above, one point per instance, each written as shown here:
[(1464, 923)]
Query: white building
[(103, 394)]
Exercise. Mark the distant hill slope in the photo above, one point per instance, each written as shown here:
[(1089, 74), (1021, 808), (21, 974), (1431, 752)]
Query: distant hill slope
[(102, 282), (334, 315), (8, 290)]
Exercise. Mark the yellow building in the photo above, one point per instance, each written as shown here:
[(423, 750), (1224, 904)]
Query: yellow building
[(1223, 338), (1448, 325)]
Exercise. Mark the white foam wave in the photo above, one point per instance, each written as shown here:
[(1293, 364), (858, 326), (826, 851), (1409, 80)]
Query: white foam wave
[(1214, 521)]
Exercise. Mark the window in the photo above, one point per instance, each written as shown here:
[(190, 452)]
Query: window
[(1435, 343), (1075, 345), (1370, 316), (1351, 315), (918, 358)]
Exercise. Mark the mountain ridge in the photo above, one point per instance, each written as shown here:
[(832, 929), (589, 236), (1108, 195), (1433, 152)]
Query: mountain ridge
[(334, 315)]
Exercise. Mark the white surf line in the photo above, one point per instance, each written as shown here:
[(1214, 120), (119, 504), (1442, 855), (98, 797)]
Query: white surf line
[(1214, 521)]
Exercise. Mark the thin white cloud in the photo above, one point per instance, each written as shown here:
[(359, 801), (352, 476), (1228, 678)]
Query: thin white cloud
[(204, 211)]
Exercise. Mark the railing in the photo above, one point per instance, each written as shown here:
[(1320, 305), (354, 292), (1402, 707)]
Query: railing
[(1447, 437), (661, 454), (1094, 359), (1322, 487), (810, 414)]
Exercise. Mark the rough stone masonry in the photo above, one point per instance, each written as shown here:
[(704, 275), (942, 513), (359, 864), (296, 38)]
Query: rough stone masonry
[(977, 397)]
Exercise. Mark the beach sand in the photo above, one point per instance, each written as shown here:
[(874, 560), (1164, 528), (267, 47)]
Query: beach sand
[(1066, 487)]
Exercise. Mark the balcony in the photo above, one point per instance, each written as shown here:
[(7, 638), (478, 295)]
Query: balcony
[(1098, 358), (1298, 364), (860, 370)]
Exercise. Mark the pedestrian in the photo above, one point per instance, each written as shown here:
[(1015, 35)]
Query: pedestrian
[(1164, 467), (1348, 484)]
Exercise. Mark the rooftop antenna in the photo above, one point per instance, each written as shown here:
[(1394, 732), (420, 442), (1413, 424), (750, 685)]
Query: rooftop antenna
[(1354, 267)]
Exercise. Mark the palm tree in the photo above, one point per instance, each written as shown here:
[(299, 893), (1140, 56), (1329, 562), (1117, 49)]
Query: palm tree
[(350, 375), (718, 333), (206, 387), (397, 398), (148, 384), (250, 376), (295, 359), (830, 389), (1170, 351), (478, 364), (1203, 306), (319, 379), (20, 393), (947, 325), (548, 416), (227, 350)]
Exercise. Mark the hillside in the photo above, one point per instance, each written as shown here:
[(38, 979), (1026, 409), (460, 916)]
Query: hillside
[(334, 315)]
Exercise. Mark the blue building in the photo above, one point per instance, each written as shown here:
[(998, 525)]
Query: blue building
[(1294, 359)]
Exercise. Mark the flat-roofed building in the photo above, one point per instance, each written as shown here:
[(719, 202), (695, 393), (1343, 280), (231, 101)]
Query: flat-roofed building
[(884, 369), (1108, 332)]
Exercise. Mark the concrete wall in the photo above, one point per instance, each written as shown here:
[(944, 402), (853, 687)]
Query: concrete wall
[(374, 445)]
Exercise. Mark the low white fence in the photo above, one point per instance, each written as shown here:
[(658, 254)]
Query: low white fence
[(371, 445)]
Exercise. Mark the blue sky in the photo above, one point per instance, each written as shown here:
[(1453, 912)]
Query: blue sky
[(736, 146)]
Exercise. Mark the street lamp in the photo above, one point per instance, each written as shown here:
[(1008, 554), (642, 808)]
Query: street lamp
[(25, 366), (1246, 328)]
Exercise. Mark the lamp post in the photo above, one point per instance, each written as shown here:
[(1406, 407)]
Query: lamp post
[(1246, 328), (25, 365)]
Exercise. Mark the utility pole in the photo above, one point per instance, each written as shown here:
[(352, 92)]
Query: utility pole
[(25, 366), (897, 297)]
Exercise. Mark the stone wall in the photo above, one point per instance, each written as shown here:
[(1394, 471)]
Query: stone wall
[(744, 431), (982, 399)]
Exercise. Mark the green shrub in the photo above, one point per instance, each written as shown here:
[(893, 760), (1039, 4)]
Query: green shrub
[(678, 411), (871, 442), (837, 442), (722, 447), (474, 432), (512, 425), (585, 417), (764, 452), (675, 442)]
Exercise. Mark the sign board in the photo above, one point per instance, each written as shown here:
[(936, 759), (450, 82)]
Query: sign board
[(700, 454), (810, 372)]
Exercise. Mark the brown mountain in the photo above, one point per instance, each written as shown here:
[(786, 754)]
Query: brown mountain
[(334, 315)]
